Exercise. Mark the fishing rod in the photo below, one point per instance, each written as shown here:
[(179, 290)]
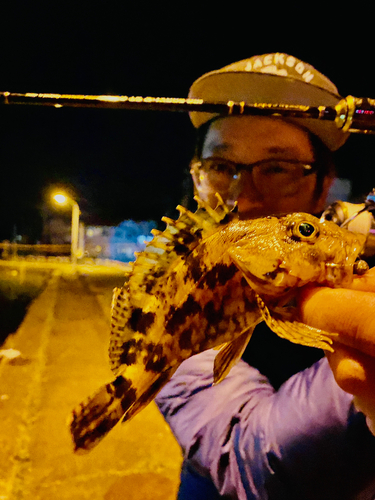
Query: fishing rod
[(351, 114)]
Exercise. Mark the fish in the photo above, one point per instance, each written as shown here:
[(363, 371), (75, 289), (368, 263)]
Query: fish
[(203, 283)]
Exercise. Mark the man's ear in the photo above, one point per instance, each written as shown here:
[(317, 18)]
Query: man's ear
[(200, 187), (195, 176)]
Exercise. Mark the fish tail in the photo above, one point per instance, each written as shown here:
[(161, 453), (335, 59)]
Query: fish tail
[(119, 400), (96, 416)]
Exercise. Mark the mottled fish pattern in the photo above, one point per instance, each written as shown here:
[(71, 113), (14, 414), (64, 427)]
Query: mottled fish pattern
[(206, 282)]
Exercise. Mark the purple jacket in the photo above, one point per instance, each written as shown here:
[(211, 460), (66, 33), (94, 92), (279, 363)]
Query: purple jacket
[(244, 439)]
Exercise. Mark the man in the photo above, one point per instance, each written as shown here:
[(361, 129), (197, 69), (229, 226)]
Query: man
[(283, 424)]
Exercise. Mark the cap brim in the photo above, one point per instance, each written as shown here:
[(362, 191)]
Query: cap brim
[(252, 87)]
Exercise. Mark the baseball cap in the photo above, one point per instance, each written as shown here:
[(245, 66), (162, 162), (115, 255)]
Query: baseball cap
[(275, 78)]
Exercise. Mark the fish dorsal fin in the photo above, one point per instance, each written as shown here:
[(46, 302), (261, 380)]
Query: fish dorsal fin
[(179, 238), (167, 247), (294, 331), (230, 353)]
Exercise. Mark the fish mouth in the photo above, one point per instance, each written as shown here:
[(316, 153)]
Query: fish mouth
[(279, 282)]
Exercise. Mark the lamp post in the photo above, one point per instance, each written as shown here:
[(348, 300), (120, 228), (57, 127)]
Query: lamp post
[(62, 199)]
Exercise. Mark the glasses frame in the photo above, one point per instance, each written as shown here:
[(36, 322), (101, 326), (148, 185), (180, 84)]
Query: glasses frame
[(309, 167), (232, 191)]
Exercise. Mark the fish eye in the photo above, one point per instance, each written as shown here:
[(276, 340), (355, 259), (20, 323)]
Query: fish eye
[(304, 231)]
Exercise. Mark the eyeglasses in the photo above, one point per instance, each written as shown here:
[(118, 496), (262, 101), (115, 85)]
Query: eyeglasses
[(269, 176)]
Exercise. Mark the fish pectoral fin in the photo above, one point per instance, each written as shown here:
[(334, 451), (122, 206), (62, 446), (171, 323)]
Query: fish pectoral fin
[(285, 312), (229, 354), (296, 332)]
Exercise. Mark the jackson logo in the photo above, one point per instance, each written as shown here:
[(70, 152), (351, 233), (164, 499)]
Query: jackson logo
[(280, 64)]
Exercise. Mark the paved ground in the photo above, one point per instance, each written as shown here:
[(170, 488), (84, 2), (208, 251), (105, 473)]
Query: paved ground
[(63, 341)]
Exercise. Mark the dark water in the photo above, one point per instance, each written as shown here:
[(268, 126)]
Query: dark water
[(18, 288)]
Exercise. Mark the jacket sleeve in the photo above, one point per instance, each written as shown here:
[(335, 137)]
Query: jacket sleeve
[(305, 440)]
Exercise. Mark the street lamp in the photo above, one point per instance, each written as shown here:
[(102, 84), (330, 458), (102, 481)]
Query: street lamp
[(62, 199)]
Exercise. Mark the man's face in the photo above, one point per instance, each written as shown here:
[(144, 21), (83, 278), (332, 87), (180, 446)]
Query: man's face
[(250, 139)]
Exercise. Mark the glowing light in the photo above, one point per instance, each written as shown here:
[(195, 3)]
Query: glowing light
[(60, 198)]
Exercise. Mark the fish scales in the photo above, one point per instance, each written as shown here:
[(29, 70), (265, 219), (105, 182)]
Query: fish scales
[(207, 282)]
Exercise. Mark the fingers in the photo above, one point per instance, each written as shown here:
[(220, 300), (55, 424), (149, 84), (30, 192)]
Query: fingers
[(354, 371), (366, 282), (350, 313)]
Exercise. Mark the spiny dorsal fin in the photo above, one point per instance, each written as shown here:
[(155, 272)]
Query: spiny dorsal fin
[(179, 238), (219, 213)]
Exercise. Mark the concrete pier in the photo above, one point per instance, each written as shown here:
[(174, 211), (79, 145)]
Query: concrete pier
[(63, 343)]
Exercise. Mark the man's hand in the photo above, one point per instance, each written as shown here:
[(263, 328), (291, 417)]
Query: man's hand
[(351, 314)]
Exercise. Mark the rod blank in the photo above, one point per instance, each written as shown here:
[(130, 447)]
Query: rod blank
[(350, 114)]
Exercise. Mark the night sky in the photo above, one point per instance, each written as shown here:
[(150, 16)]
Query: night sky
[(129, 164)]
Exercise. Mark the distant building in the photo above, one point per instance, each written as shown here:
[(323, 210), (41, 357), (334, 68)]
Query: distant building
[(117, 243), (97, 241), (102, 242)]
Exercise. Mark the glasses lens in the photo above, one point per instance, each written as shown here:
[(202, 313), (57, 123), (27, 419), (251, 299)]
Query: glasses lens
[(281, 176), (220, 176), (222, 169)]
